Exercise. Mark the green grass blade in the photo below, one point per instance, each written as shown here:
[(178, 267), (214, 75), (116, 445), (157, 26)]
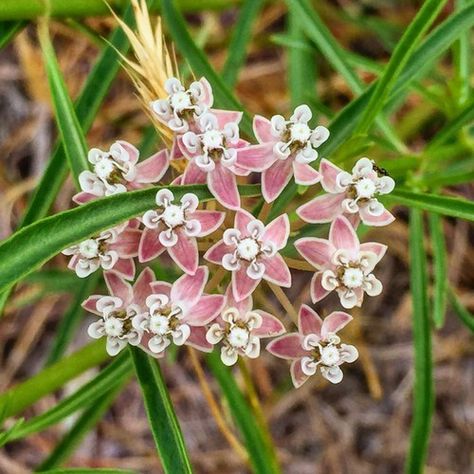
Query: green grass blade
[(240, 38), (8, 30), (423, 390), (462, 62), (401, 55), (25, 394), (80, 470), (86, 421), (67, 122), (161, 416), (461, 312), (114, 374), (440, 270), (199, 64), (261, 457), (445, 205), (33, 245)]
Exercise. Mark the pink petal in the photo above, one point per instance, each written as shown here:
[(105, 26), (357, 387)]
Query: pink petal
[(223, 185), (377, 221), (188, 289), (142, 288), (193, 174), (208, 98), (374, 247), (256, 157), (216, 252), (242, 219), (309, 321), (243, 306), (242, 285), (210, 221), (127, 243), (133, 224), (205, 310), (262, 128), (83, 197), (150, 246), (118, 287), (342, 235), (297, 376), (176, 152), (275, 178), (90, 304), (152, 169), (329, 174), (277, 271), (305, 174), (271, 326), (160, 288), (288, 346), (197, 339), (277, 231), (125, 267), (334, 323), (317, 290), (354, 219), (324, 208), (185, 252), (318, 252), (226, 116), (133, 153)]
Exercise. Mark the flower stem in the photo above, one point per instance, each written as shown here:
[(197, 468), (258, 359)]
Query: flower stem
[(216, 279), (284, 301), (298, 264)]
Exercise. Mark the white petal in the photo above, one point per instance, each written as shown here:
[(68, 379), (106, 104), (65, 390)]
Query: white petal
[(189, 202), (278, 124), (310, 342), (343, 179), (230, 263), (205, 163), (168, 238), (333, 374), (281, 150), (386, 184), (191, 141), (181, 334), (164, 197), (306, 155), (372, 286), (229, 355), (319, 136), (348, 298), (157, 300), (302, 114), (308, 366), (108, 259), (348, 353), (158, 344), (375, 208), (115, 345), (107, 304), (256, 270), (86, 267), (96, 329), (231, 236), (350, 206), (255, 228), (253, 347), (329, 280), (192, 228), (363, 167), (151, 219), (254, 320), (214, 334)]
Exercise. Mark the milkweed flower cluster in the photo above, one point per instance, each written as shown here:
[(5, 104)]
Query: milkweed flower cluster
[(153, 314)]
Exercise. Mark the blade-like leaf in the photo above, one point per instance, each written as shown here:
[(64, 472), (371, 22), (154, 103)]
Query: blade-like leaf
[(8, 30), (440, 271), (461, 312), (79, 470), (423, 390), (199, 64), (70, 130), (33, 245), (161, 416)]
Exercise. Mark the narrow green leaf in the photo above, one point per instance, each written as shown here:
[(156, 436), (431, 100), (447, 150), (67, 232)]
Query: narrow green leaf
[(114, 374), (423, 389), (240, 38), (462, 62), (86, 421), (80, 470), (440, 270), (445, 205), (401, 55), (25, 394), (199, 64), (461, 312), (161, 416), (261, 457), (35, 244), (70, 130), (8, 30)]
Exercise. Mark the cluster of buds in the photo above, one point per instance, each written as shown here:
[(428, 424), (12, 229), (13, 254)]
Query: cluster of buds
[(155, 314)]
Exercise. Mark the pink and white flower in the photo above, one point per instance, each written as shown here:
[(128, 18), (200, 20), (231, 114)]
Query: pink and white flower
[(343, 264), (183, 106), (111, 249), (286, 148), (118, 310), (354, 195), (315, 346), (178, 313), (239, 328), (175, 227), (212, 154), (118, 170), (250, 252)]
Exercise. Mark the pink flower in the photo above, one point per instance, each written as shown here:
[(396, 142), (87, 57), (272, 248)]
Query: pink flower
[(111, 249), (354, 195), (174, 227), (212, 152), (178, 313), (239, 328), (118, 310), (117, 171), (286, 147), (314, 346), (343, 264), (250, 252)]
